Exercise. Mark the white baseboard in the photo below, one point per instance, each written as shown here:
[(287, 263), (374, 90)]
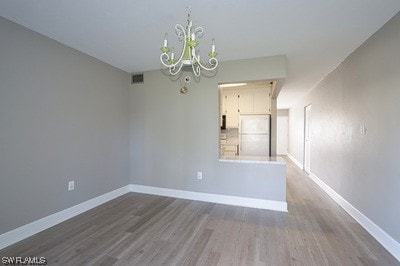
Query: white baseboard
[(381, 236), (300, 165), (215, 198), (37, 226)]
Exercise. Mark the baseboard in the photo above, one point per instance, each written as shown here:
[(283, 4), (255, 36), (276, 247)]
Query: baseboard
[(300, 165), (215, 198), (381, 236), (37, 226)]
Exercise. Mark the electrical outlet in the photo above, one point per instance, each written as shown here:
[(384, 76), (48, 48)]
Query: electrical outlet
[(199, 175), (71, 185)]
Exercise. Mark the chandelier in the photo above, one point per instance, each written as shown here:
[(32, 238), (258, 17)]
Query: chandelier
[(189, 55)]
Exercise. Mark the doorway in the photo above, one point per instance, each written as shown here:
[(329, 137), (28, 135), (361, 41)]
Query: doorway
[(307, 139)]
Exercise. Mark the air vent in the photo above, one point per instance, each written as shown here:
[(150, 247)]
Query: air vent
[(137, 79)]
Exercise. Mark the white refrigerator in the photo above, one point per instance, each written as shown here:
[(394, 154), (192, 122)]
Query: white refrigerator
[(254, 135)]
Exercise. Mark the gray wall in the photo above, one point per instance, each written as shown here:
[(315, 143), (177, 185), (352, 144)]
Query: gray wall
[(63, 116), (174, 135), (363, 90)]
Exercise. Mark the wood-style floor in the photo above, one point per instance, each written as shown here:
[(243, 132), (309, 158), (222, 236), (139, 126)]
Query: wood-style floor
[(138, 229)]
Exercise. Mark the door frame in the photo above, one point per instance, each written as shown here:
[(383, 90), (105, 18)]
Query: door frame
[(307, 123)]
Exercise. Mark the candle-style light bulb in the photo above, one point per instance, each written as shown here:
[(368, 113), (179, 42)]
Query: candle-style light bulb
[(213, 46), (193, 37), (189, 28), (166, 40)]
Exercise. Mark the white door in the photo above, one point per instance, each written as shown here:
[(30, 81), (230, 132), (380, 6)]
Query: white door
[(307, 139), (282, 135)]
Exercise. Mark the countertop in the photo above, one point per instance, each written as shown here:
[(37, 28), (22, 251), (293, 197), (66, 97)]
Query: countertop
[(252, 159)]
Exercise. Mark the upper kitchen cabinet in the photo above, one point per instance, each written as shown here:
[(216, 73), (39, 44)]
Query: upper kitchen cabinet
[(262, 101), (244, 100)]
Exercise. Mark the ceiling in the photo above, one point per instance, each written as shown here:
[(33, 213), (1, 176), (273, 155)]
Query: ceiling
[(314, 35)]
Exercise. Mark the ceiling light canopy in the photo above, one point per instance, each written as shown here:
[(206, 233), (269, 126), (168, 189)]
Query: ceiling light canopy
[(189, 56)]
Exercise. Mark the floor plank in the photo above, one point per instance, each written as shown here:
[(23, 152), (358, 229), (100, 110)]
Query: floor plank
[(139, 229)]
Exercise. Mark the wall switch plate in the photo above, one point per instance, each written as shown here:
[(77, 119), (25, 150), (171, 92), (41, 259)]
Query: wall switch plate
[(199, 175), (71, 185)]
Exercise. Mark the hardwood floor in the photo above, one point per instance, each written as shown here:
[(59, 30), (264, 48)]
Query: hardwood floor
[(138, 229)]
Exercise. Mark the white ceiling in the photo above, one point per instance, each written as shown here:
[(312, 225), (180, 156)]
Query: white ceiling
[(316, 35)]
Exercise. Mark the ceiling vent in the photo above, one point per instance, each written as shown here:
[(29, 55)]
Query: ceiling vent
[(137, 79)]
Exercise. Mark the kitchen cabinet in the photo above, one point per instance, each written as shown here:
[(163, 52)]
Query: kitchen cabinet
[(229, 142), (262, 102), (231, 107), (244, 101), (229, 150)]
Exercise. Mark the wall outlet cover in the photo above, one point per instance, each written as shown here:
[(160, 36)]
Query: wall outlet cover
[(199, 175), (71, 185)]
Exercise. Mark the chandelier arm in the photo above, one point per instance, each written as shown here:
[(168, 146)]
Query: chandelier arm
[(212, 61), (182, 31), (196, 70), (179, 30), (164, 56), (172, 70), (199, 31)]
